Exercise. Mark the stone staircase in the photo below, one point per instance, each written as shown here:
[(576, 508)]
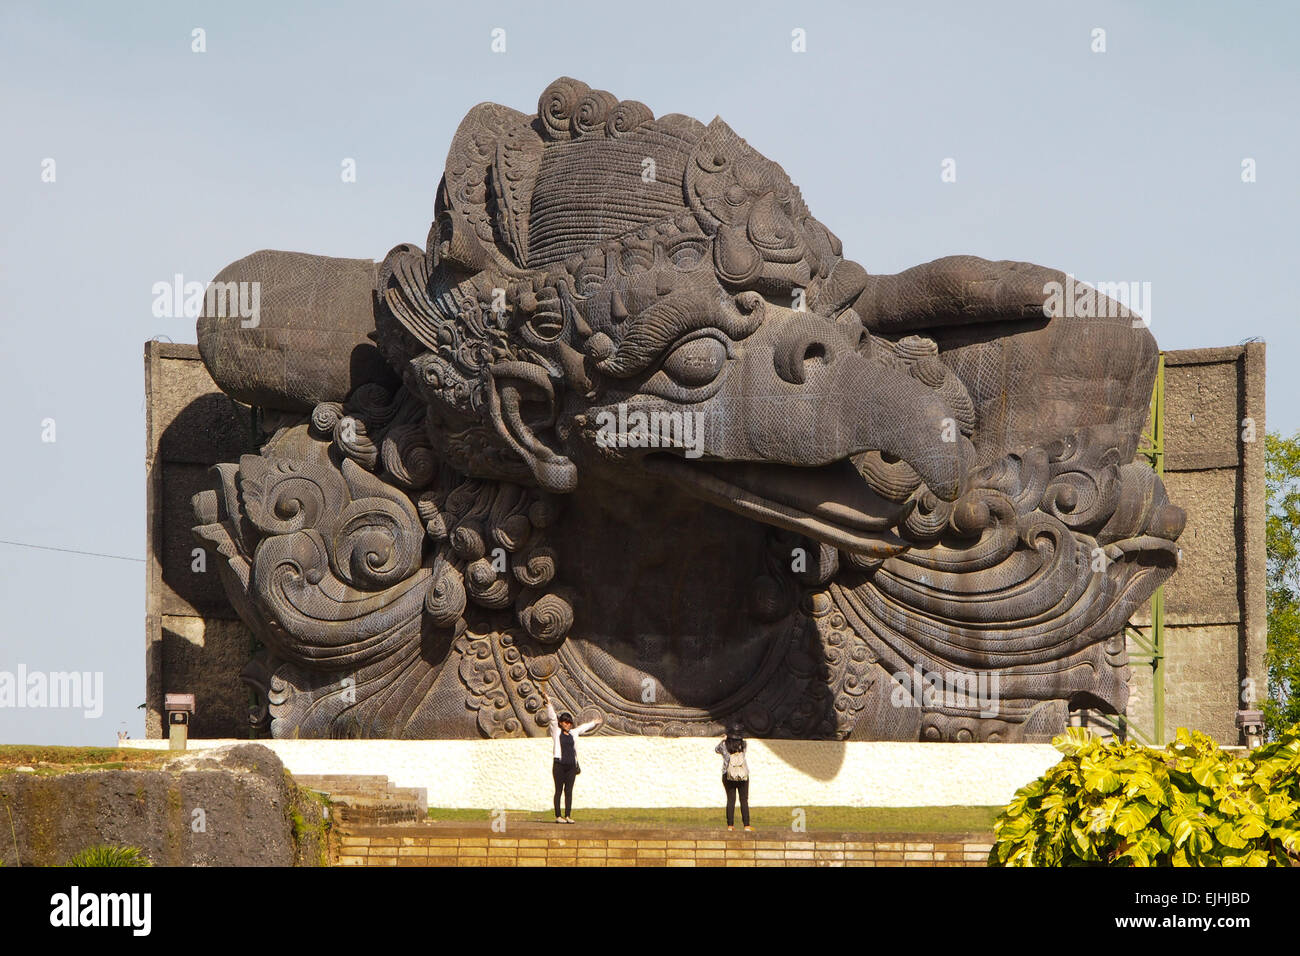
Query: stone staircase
[(367, 800)]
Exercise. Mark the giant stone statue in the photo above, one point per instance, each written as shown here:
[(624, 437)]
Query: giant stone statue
[(630, 424)]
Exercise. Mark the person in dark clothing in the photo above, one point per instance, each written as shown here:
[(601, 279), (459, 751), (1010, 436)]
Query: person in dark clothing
[(735, 776), (564, 768)]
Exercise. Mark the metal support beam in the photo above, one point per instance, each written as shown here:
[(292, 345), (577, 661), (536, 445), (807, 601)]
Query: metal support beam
[(1152, 647)]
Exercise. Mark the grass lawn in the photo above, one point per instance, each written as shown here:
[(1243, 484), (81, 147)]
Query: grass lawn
[(859, 819), (50, 760)]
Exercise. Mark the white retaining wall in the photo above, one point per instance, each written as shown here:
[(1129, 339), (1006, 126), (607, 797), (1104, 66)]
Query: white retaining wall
[(673, 772)]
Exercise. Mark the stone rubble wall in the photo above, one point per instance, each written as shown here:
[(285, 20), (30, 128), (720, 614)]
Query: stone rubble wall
[(233, 807)]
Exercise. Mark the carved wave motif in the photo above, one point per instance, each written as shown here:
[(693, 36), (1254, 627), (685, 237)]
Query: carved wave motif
[(1010, 584)]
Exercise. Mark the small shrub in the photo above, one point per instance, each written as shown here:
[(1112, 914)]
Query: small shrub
[(1190, 804), (107, 855), (309, 816)]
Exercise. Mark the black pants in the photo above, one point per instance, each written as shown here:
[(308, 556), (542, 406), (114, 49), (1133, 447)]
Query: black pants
[(734, 787), (564, 775)]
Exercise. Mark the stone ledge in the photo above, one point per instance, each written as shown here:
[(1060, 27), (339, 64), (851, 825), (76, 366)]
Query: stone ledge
[(452, 844), (574, 836)]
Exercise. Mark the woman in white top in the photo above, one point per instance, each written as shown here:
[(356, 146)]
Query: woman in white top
[(565, 769)]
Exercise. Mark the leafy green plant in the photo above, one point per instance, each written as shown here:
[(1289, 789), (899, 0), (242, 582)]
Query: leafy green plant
[(108, 855), (1282, 585), (1122, 804)]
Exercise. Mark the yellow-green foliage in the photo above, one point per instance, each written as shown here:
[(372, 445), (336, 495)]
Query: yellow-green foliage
[(1191, 804)]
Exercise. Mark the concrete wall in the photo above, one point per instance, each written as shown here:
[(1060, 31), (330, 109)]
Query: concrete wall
[(515, 774), (1215, 612), (194, 641)]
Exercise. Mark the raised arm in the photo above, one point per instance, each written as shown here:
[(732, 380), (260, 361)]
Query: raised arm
[(553, 722), (587, 727)]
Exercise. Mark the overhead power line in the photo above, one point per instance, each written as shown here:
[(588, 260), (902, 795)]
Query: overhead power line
[(92, 554)]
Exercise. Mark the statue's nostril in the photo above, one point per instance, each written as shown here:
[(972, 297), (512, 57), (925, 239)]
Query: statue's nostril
[(801, 353), (815, 354)]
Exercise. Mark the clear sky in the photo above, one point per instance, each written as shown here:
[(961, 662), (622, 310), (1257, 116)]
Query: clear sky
[(1123, 165)]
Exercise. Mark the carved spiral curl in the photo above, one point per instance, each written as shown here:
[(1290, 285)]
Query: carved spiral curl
[(542, 512), (1080, 499), (375, 546), (289, 582), (463, 497), (930, 371), (894, 480), (928, 518), (287, 563), (507, 519), (286, 503), (374, 404), (467, 542), (548, 618), (445, 601), (558, 103), (408, 456), (537, 570), (351, 438), (512, 532), (477, 520), (980, 509), (325, 417), (589, 117), (626, 117), (435, 522), (488, 588)]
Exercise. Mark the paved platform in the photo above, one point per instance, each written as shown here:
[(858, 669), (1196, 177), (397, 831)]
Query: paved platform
[(549, 844)]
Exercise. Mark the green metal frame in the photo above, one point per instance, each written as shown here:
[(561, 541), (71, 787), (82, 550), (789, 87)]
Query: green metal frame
[(1151, 647)]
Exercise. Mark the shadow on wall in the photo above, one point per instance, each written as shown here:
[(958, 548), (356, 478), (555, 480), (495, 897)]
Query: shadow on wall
[(210, 429), (200, 645), (819, 759)]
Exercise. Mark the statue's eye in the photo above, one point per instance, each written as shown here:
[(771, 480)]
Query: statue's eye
[(687, 254), (696, 362), (590, 277), (547, 326), (635, 261)]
